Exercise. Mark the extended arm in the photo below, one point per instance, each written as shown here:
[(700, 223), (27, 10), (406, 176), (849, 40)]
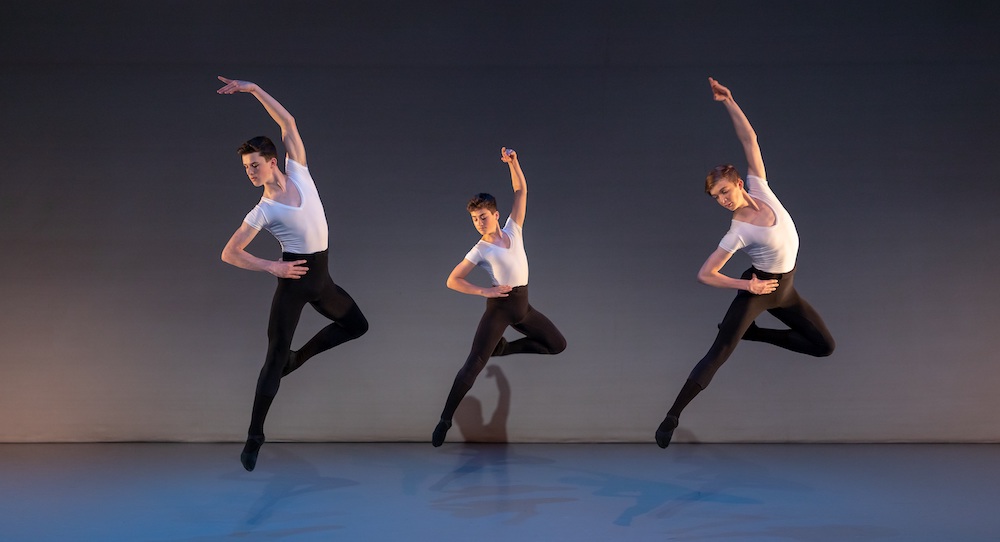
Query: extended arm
[(289, 132), (456, 281), (745, 132), (519, 185), (235, 254), (710, 274)]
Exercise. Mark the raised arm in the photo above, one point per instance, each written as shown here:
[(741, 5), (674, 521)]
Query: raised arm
[(289, 132), (745, 133), (518, 184)]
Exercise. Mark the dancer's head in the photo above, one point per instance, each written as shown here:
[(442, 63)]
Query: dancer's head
[(261, 145), (724, 184), (260, 159), (485, 217)]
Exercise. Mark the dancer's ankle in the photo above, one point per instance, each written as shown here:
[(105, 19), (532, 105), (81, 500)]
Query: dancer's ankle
[(440, 432)]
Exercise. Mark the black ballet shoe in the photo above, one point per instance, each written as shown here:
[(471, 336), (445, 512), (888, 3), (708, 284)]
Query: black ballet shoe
[(666, 431), (437, 439), (498, 350), (249, 455), (292, 363)]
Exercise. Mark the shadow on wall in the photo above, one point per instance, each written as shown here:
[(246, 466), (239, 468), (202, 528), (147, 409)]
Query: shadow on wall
[(469, 415)]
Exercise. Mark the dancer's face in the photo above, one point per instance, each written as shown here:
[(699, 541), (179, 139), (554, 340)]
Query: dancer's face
[(485, 221), (258, 169), (729, 194)]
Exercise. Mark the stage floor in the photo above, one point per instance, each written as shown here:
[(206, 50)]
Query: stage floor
[(487, 492)]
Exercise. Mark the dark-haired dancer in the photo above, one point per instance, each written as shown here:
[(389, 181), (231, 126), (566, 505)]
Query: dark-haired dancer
[(501, 253), (763, 229), (291, 210)]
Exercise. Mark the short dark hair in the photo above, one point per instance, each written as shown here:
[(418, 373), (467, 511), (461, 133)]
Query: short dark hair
[(721, 173), (482, 200), (261, 144)]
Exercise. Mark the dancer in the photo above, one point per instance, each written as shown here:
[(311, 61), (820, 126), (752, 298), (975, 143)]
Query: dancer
[(290, 210), (501, 253), (764, 229)]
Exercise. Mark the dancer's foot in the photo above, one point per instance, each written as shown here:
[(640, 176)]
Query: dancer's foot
[(499, 349), (440, 432), (666, 431), (249, 455), (292, 363)]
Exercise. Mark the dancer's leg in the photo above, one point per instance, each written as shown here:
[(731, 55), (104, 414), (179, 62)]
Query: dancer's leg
[(541, 336), (738, 318), (286, 308), (348, 324), (807, 333), (489, 332)]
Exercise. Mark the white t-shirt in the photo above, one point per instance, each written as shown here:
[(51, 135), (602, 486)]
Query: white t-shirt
[(302, 229), (505, 265), (772, 249)]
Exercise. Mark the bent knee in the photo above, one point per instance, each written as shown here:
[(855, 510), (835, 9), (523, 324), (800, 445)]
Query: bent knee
[(361, 328), (557, 346), (826, 349), (357, 326)]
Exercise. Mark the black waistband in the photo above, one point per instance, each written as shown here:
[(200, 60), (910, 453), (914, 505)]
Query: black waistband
[(291, 256), (769, 276)]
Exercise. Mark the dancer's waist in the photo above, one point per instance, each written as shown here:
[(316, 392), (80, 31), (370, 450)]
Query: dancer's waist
[(315, 256), (771, 276)]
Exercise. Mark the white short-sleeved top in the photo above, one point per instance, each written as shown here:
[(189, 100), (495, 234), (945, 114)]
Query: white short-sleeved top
[(505, 265), (772, 249), (299, 230)]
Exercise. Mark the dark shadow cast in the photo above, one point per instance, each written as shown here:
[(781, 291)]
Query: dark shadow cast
[(469, 415), (481, 487), (291, 476), (647, 494)]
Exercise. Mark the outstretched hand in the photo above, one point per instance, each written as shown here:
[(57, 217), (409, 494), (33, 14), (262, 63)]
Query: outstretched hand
[(507, 155), (762, 287), (233, 86), (719, 92), (289, 270), (497, 291)]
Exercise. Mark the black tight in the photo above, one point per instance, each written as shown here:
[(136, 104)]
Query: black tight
[(317, 289), (806, 331), (541, 337)]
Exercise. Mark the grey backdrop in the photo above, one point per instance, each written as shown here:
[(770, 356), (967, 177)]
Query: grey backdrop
[(878, 123)]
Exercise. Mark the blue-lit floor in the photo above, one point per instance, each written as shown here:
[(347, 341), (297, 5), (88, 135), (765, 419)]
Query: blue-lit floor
[(517, 492)]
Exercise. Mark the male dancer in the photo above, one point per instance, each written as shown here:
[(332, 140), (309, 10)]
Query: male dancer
[(764, 230), (500, 252), (291, 211)]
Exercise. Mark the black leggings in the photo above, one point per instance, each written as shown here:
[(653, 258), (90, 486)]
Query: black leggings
[(807, 333), (317, 289), (541, 337)]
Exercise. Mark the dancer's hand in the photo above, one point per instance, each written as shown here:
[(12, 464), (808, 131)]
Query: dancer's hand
[(761, 287), (497, 291), (719, 92), (288, 270), (233, 86), (507, 155)]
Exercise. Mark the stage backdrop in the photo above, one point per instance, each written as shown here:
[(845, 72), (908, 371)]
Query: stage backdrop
[(878, 123)]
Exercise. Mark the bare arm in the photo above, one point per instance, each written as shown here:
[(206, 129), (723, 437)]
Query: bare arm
[(289, 132), (519, 185), (745, 132), (235, 254), (710, 274), (456, 281)]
